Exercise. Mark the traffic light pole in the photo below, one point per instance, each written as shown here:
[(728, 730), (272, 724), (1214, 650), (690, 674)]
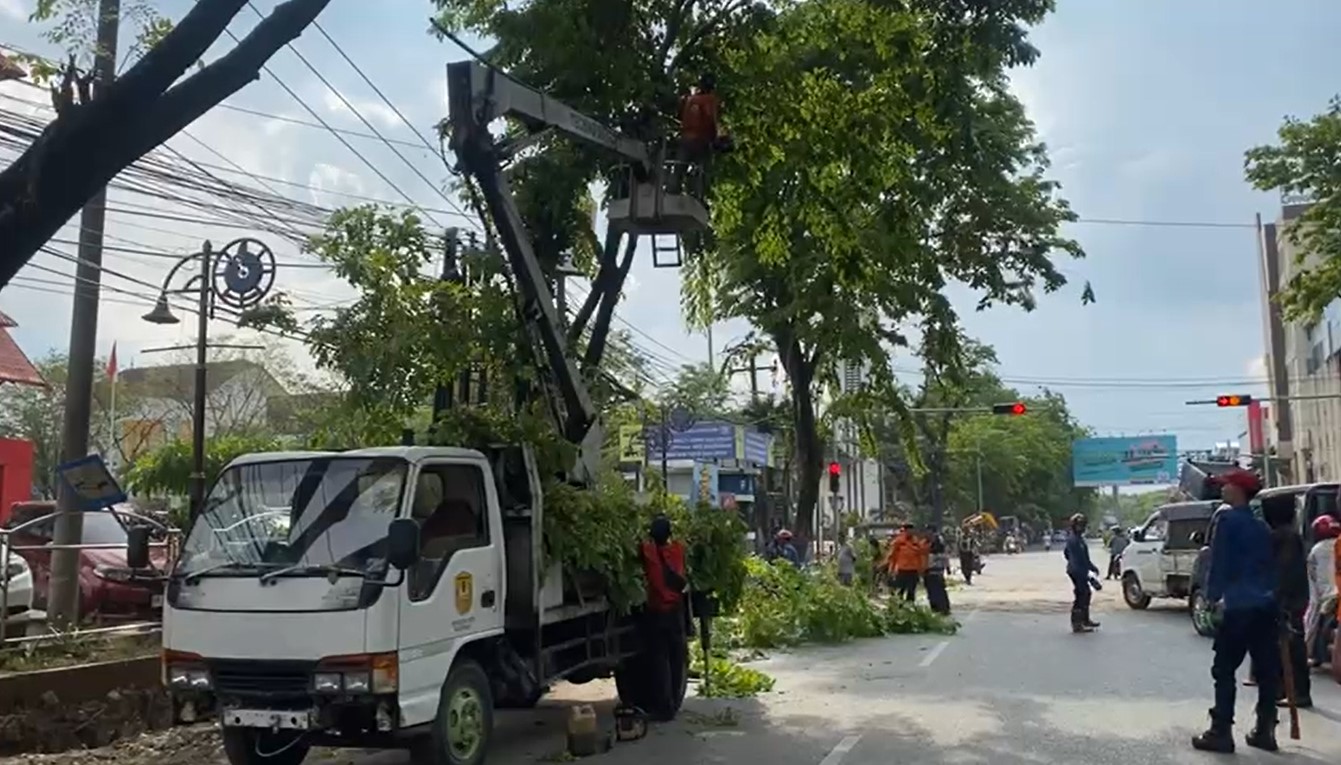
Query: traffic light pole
[(1247, 400)]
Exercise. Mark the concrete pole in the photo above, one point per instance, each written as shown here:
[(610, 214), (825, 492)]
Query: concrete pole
[(63, 595)]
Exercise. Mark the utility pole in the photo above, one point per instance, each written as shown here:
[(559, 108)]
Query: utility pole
[(63, 595)]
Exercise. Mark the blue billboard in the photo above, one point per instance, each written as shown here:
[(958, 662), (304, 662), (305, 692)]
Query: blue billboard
[(715, 440), (1125, 461)]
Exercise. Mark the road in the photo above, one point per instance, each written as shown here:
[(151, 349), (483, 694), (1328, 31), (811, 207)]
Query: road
[(1015, 686)]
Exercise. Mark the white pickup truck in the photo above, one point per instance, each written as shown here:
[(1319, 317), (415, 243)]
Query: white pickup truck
[(1158, 562)]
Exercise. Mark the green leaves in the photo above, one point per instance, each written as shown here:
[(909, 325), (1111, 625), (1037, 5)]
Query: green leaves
[(1305, 163), (166, 471)]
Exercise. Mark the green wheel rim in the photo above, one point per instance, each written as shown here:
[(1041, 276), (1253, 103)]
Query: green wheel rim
[(1201, 615), (465, 724)]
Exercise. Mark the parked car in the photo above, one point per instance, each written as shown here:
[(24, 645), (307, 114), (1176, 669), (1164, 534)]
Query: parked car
[(1159, 561), (17, 582), (103, 592)]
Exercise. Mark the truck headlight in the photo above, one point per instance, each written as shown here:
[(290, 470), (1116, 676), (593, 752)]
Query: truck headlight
[(188, 679), (360, 673), (327, 682)]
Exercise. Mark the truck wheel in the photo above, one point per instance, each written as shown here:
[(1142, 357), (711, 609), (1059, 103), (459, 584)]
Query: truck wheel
[(1202, 620), (633, 681), (251, 746), (1133, 594), (465, 721)]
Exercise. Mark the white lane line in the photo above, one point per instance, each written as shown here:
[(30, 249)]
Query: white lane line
[(840, 750), (933, 654)]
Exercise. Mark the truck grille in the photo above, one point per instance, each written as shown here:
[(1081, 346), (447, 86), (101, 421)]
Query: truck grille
[(261, 678)]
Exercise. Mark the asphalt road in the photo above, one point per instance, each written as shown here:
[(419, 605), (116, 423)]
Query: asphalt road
[(1014, 686)]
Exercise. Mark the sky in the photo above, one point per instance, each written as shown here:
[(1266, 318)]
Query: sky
[(1147, 107)]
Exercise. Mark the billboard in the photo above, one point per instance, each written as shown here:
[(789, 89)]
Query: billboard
[(1124, 461)]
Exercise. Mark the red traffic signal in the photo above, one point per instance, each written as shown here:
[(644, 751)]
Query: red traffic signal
[(1233, 400), (835, 471), (835, 468), (1014, 408)]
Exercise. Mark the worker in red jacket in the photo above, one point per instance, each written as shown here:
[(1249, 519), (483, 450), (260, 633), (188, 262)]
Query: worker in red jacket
[(665, 635)]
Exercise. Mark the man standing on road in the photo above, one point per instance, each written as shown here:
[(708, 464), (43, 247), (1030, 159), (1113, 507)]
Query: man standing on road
[(664, 627), (847, 563), (905, 562), (1292, 593), (1078, 570), (1116, 545), (1242, 579)]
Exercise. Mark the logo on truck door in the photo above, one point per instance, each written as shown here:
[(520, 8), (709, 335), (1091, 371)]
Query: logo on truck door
[(465, 592)]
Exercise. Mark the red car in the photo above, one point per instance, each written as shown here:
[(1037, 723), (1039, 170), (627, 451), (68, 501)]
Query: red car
[(102, 596)]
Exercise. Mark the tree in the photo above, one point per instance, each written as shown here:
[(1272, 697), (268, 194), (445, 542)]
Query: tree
[(1304, 164), (650, 50), (879, 155), (111, 124), (36, 415)]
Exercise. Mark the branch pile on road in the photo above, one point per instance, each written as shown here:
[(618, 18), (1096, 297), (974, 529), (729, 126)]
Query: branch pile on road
[(784, 606), (56, 725)]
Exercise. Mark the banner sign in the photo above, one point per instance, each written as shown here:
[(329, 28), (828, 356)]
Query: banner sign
[(1125, 461)]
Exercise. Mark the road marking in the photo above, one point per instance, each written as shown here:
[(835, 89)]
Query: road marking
[(840, 750), (935, 652)]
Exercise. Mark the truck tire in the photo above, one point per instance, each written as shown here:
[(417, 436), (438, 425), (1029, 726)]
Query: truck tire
[(465, 723), (251, 746), (1133, 594)]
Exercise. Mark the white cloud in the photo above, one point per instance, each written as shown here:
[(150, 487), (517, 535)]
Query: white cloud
[(374, 111), (14, 9), (1257, 368)]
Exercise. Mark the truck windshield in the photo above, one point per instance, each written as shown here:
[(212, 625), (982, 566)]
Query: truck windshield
[(331, 511)]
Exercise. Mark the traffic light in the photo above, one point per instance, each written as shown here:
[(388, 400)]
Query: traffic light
[(1233, 399), (835, 472), (1013, 408)]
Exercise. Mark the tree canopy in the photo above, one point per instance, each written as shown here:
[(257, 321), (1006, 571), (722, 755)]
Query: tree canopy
[(1304, 163)]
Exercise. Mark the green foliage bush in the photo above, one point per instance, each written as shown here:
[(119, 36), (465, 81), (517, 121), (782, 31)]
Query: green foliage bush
[(785, 606)]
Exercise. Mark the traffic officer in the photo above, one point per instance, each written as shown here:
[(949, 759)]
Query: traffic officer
[(1242, 581), (1079, 567)]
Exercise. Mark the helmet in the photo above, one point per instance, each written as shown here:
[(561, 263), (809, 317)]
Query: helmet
[(1326, 527), (784, 534), (1079, 519)]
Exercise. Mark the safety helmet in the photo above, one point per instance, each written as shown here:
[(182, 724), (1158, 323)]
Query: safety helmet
[(1326, 527), (784, 534)]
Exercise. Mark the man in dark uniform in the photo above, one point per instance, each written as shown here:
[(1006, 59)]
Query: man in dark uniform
[(1242, 581), (1292, 594), (665, 634), (1079, 567)]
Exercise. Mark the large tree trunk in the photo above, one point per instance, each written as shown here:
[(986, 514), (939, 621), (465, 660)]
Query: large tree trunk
[(87, 145), (809, 446)]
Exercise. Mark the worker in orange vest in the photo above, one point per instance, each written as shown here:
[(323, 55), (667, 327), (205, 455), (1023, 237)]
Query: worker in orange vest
[(907, 561), (665, 631), (700, 116)]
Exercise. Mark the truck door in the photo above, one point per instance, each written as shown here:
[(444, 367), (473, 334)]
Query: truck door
[(1146, 553), (455, 591)]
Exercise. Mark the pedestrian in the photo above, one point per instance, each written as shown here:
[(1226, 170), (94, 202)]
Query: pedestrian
[(877, 563), (967, 564), (785, 549), (1321, 587), (1116, 545), (1242, 584), (665, 628), (1292, 595), (847, 563), (1078, 570), (905, 562), (938, 562)]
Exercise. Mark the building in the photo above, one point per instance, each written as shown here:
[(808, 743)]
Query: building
[(1303, 360)]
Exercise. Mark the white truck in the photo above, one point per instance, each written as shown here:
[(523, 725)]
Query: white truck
[(1159, 561), (395, 596)]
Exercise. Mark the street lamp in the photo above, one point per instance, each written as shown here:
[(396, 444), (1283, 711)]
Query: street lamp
[(239, 275)]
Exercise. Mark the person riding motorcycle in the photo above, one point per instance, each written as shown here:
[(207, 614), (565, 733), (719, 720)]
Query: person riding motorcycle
[(1322, 606)]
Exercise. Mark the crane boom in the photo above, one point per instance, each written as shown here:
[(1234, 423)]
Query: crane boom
[(477, 96)]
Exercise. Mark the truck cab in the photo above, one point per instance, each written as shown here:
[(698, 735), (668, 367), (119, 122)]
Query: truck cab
[(1159, 561), (387, 597)]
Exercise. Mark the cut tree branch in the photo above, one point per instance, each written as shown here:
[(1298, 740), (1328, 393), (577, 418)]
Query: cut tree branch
[(82, 150)]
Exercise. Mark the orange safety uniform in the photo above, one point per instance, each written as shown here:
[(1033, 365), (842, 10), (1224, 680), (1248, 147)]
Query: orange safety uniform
[(661, 598), (699, 113), (907, 553)]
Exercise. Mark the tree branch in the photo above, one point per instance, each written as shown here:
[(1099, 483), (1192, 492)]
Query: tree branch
[(79, 153)]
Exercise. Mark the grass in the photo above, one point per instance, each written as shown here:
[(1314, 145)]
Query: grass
[(69, 650)]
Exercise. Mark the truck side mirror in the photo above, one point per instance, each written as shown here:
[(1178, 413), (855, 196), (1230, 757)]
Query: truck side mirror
[(1138, 535), (137, 548), (402, 543)]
